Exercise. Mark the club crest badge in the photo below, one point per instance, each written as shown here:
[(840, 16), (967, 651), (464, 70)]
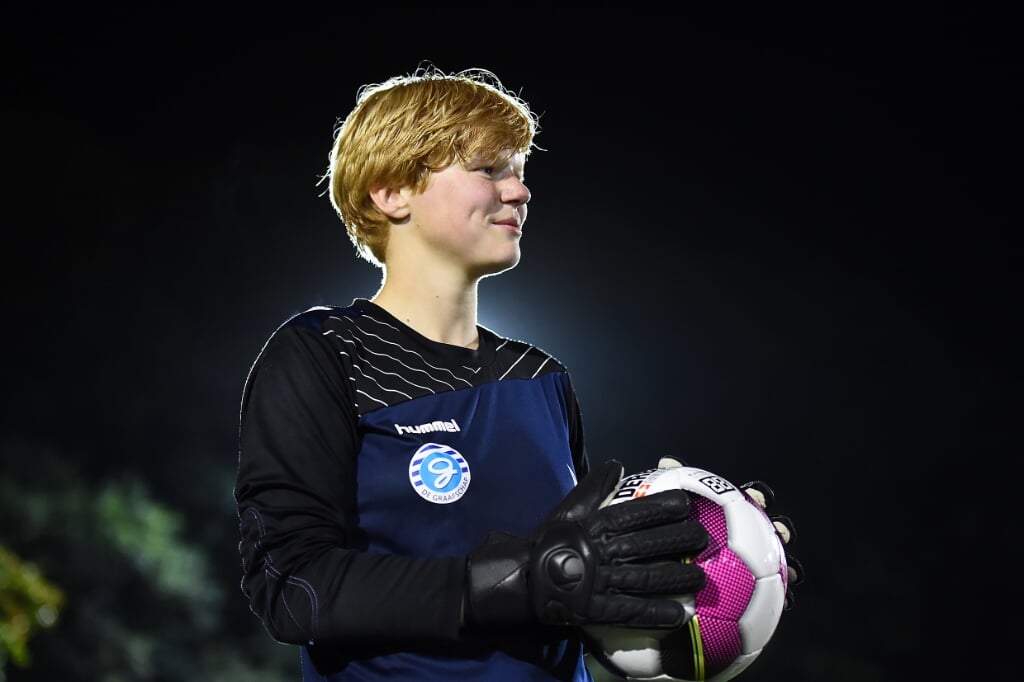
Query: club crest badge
[(439, 473)]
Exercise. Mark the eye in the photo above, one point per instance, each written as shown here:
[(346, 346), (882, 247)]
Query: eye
[(497, 168)]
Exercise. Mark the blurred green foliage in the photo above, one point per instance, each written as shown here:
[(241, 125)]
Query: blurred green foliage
[(28, 602), (147, 592)]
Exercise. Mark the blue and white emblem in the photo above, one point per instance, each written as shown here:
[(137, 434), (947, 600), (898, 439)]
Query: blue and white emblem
[(438, 473)]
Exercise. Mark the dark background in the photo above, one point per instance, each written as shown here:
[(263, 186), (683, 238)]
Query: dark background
[(799, 223)]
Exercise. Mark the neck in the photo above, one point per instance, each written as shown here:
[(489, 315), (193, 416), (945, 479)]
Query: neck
[(441, 311)]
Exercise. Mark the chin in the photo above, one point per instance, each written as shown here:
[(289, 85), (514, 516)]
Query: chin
[(499, 267)]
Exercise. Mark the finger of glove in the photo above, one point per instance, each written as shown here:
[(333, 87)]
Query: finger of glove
[(795, 573), (641, 512), (636, 612), (784, 527), (589, 493), (760, 492), (651, 578), (673, 541), (794, 576)]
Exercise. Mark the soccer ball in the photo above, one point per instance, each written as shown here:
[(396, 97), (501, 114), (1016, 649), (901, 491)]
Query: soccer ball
[(733, 615)]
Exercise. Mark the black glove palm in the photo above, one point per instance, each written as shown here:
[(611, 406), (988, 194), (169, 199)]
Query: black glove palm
[(587, 566)]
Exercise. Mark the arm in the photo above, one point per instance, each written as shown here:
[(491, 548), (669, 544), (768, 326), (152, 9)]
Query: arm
[(304, 573), (308, 575)]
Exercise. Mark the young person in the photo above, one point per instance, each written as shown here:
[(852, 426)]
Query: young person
[(414, 493)]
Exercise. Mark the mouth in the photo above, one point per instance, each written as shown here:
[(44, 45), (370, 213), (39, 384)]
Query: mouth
[(512, 226)]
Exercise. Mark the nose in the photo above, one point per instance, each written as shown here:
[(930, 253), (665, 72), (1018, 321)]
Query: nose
[(515, 192)]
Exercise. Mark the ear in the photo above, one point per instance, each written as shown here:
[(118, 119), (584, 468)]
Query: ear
[(391, 202)]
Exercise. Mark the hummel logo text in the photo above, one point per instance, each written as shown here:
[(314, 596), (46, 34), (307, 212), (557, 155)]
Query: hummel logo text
[(449, 426)]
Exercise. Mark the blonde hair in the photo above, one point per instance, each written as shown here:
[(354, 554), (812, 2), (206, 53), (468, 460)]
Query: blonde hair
[(408, 126)]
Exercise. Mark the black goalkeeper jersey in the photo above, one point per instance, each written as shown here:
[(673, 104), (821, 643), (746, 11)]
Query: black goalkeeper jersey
[(372, 461)]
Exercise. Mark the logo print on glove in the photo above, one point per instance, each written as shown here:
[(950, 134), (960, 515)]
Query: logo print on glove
[(439, 473)]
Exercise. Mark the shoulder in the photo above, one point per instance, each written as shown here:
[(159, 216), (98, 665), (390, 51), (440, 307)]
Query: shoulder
[(359, 330), (518, 359), (326, 321), (309, 332), (319, 318)]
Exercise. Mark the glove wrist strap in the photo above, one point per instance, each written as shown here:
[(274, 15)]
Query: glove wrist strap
[(496, 591)]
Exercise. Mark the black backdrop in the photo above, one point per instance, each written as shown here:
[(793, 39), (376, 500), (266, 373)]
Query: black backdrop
[(802, 220)]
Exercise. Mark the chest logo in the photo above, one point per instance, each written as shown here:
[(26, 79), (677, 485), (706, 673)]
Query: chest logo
[(438, 473)]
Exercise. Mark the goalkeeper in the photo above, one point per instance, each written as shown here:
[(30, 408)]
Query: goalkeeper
[(407, 480)]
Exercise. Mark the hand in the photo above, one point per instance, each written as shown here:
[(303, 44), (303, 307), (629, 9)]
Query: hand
[(764, 496), (589, 566)]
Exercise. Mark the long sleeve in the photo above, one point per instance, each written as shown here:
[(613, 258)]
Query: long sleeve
[(305, 570)]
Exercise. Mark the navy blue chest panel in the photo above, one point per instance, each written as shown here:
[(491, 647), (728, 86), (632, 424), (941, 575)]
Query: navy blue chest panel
[(437, 473)]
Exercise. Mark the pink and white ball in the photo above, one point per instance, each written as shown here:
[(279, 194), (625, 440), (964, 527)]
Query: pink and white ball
[(735, 614)]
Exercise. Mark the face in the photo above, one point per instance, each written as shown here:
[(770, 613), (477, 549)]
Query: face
[(471, 216)]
